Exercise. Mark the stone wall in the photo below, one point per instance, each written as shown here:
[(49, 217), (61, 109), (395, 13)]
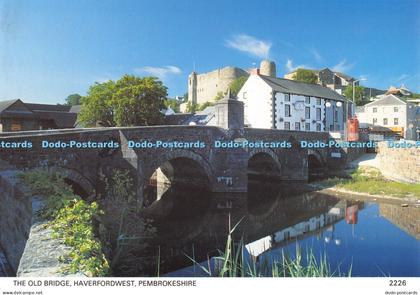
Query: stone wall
[(28, 245), (400, 164), (15, 218), (41, 257), (209, 84)]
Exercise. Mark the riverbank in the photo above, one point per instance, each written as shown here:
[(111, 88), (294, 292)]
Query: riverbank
[(368, 183)]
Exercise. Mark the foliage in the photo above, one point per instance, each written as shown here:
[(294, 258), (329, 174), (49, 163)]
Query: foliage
[(191, 107), (73, 99), (232, 263), (202, 106), (173, 103), (71, 220), (305, 75), (57, 193), (73, 225), (126, 230), (236, 85), (358, 94), (185, 97), (129, 101), (219, 95)]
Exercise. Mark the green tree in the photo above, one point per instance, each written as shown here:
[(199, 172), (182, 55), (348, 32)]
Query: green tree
[(219, 95), (307, 76), (97, 108), (173, 103), (191, 107), (129, 101), (73, 99), (202, 106), (236, 85), (358, 94)]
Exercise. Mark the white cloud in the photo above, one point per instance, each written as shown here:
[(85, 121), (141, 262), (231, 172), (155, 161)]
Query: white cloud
[(250, 45), (290, 67), (403, 77), (160, 72), (343, 66), (317, 56)]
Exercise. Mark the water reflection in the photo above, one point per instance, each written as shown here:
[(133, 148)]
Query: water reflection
[(272, 219)]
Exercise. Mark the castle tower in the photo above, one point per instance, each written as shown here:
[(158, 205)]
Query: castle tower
[(192, 88), (268, 68)]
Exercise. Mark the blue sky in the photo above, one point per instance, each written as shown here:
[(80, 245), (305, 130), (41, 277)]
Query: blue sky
[(52, 48)]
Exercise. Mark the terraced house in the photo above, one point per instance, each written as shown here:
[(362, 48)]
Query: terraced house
[(278, 103)]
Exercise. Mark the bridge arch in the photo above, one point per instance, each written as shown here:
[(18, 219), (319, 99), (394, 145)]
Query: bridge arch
[(80, 184), (316, 165), (263, 163), (175, 167)]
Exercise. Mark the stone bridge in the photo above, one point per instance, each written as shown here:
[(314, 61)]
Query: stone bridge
[(220, 169)]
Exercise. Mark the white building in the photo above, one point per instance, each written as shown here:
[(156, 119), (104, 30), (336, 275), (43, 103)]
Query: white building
[(390, 112), (278, 103)]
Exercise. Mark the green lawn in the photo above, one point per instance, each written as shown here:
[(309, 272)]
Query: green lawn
[(370, 180)]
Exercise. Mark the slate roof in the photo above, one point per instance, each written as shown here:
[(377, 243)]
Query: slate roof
[(389, 99), (200, 118), (6, 104), (344, 76), (60, 114), (301, 88), (47, 107)]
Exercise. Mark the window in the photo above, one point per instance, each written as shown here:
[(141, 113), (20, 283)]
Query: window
[(395, 109), (331, 127), (318, 114), (375, 110), (15, 125), (385, 121), (307, 126), (395, 121), (286, 97), (287, 110), (297, 126), (286, 125), (307, 112), (244, 95), (318, 101), (335, 116), (307, 99), (374, 121), (318, 126)]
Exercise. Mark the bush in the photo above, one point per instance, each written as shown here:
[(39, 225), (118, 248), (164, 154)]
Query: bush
[(71, 220)]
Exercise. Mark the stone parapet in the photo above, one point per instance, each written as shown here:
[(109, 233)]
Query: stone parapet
[(400, 164)]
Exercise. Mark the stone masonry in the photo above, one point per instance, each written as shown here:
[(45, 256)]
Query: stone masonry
[(400, 164)]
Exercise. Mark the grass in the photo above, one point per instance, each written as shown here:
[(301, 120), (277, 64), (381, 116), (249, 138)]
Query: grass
[(232, 263), (370, 180), (71, 220)]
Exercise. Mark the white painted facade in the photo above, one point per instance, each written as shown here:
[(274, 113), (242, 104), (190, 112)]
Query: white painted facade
[(388, 111), (314, 115), (298, 106), (256, 96)]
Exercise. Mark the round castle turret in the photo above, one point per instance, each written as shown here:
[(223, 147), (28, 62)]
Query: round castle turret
[(268, 68)]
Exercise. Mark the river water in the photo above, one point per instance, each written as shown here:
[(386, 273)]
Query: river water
[(370, 238)]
